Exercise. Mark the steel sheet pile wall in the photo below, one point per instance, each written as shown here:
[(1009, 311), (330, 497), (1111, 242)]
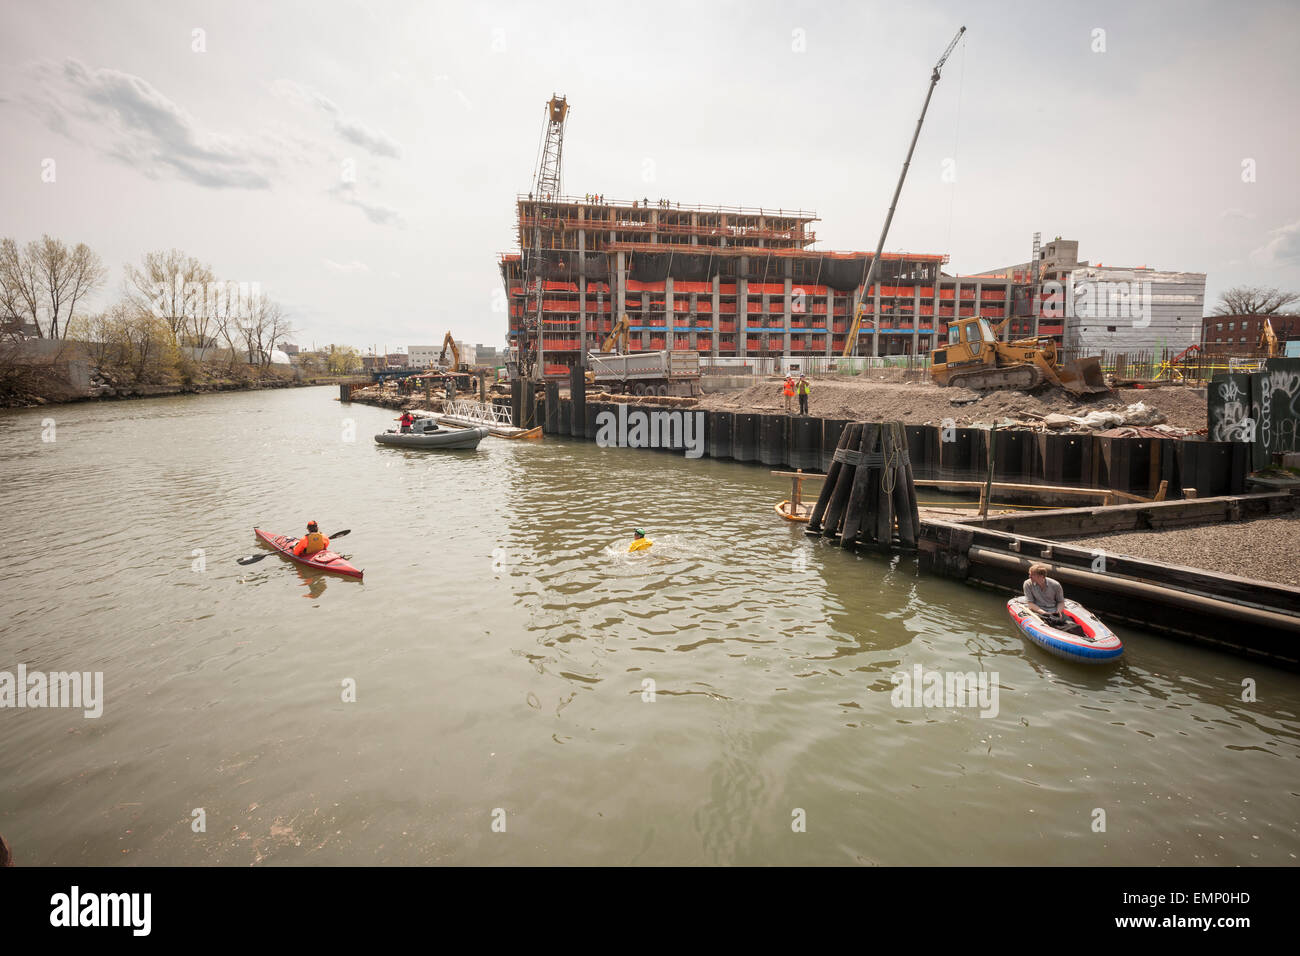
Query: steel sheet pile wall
[(1133, 465), (1260, 409)]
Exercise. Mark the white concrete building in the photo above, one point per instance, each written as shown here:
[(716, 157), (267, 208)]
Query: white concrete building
[(1133, 309), (424, 356)]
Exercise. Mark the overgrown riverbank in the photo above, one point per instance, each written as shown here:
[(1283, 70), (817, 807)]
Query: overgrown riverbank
[(40, 385)]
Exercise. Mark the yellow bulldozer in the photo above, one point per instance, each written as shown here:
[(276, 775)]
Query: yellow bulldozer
[(974, 358)]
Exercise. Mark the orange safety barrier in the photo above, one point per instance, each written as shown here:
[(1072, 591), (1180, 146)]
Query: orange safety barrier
[(688, 287), (634, 286)]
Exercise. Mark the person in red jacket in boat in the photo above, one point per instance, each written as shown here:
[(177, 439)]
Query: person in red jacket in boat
[(406, 421), (311, 542)]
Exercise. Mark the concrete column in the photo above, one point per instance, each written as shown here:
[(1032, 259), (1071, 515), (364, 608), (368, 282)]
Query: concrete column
[(940, 330), (620, 287), (742, 309), (916, 318), (789, 284), (670, 315), (693, 336), (582, 298), (1006, 303), (830, 321), (654, 226), (717, 316), (695, 224)]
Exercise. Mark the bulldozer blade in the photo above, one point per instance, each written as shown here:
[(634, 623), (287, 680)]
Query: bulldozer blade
[(1083, 376)]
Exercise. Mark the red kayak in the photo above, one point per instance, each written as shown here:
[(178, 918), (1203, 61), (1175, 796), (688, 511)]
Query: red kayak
[(322, 560)]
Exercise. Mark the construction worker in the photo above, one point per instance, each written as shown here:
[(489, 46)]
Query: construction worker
[(311, 542), (640, 542), (787, 389), (803, 388)]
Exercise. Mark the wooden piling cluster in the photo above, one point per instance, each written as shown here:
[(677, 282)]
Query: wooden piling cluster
[(869, 495)]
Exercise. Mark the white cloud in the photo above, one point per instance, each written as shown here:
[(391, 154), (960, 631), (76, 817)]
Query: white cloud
[(1283, 249), (127, 118), (377, 213), (353, 130), (346, 267)]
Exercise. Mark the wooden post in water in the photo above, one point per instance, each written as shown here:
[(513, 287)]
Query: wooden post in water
[(828, 486), (840, 497), (869, 489), (861, 478), (988, 481)]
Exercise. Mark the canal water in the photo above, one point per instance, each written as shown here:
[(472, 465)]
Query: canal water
[(528, 692)]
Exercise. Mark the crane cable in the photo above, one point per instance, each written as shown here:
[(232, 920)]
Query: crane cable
[(956, 136)]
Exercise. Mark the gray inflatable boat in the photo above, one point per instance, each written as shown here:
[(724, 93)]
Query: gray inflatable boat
[(433, 436)]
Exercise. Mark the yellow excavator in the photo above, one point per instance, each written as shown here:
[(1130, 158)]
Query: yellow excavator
[(974, 358), (449, 343), (1268, 343), (618, 337)]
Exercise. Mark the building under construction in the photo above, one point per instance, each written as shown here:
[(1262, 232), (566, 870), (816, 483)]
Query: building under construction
[(726, 281)]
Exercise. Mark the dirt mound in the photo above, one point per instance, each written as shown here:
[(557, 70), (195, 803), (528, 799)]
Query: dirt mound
[(922, 403)]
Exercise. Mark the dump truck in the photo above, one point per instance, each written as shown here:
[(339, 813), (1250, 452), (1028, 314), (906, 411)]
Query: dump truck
[(665, 372), (974, 358)]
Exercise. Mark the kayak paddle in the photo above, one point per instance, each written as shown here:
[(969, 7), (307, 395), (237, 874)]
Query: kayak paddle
[(254, 558)]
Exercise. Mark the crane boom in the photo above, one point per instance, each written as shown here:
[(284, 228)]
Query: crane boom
[(852, 339), (543, 210)]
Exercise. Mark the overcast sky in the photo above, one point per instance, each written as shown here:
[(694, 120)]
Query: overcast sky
[(238, 154)]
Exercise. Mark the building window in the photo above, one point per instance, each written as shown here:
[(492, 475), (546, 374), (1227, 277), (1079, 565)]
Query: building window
[(1218, 326), (1231, 325), (1110, 328), (1243, 340)]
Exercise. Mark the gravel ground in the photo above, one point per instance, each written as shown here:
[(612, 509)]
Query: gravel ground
[(921, 403), (1267, 549)]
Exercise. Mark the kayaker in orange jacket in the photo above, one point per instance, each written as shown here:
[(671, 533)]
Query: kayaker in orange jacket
[(311, 542)]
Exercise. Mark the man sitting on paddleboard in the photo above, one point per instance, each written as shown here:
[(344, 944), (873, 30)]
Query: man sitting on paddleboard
[(1045, 595), (640, 542), (311, 542)]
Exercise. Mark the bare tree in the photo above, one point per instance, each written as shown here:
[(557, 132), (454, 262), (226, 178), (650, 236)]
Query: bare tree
[(20, 285), (46, 279), (278, 328), (263, 326), (67, 276), (1254, 300), (171, 286)]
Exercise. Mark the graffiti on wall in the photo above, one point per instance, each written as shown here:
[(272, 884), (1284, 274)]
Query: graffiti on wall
[(1279, 409), (1233, 420)]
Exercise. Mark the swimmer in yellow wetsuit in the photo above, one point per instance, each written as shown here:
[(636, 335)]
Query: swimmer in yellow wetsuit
[(640, 542)]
